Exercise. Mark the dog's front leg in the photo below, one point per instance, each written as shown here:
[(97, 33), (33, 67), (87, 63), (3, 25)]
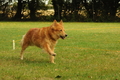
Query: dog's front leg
[(52, 59), (50, 51)]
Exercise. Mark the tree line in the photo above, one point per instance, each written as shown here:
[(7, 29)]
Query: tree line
[(68, 10)]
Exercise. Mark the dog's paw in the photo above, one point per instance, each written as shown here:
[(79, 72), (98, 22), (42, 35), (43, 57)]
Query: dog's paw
[(54, 54), (53, 62), (21, 58)]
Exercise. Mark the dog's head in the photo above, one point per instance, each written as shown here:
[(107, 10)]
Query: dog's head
[(58, 29)]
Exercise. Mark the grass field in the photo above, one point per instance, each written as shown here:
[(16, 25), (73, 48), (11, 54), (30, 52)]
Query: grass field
[(90, 52)]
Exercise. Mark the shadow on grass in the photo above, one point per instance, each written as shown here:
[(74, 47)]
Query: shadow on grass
[(34, 61), (15, 60)]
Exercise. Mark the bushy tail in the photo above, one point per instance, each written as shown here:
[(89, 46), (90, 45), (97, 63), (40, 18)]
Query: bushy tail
[(22, 40)]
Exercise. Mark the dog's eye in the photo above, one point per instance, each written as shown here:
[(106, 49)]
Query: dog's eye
[(60, 30)]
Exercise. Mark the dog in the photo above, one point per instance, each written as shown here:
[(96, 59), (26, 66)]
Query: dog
[(45, 38)]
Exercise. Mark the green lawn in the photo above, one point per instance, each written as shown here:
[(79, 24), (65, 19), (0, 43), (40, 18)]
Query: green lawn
[(90, 52)]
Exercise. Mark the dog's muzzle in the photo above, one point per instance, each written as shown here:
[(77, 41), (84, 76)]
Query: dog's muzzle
[(66, 35), (63, 37)]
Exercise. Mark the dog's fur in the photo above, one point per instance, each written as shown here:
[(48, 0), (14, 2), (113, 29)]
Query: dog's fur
[(45, 38)]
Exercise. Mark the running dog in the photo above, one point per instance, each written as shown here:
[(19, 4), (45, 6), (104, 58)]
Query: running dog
[(45, 38)]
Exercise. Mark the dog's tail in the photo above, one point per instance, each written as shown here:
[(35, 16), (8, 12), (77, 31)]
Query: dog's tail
[(22, 40)]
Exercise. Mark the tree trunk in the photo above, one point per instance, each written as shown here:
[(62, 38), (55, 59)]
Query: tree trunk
[(110, 8), (57, 5), (88, 9), (32, 7), (19, 9)]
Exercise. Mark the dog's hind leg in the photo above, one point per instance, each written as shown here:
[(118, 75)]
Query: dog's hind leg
[(24, 46)]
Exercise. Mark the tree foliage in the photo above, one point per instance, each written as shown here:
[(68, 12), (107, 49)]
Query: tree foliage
[(32, 6), (68, 10), (95, 10)]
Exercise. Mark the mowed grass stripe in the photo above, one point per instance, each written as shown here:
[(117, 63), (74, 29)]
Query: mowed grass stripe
[(90, 52), (95, 28)]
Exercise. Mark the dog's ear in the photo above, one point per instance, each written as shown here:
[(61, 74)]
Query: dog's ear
[(54, 24), (61, 22)]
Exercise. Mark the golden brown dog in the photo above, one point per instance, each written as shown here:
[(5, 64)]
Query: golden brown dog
[(45, 38)]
